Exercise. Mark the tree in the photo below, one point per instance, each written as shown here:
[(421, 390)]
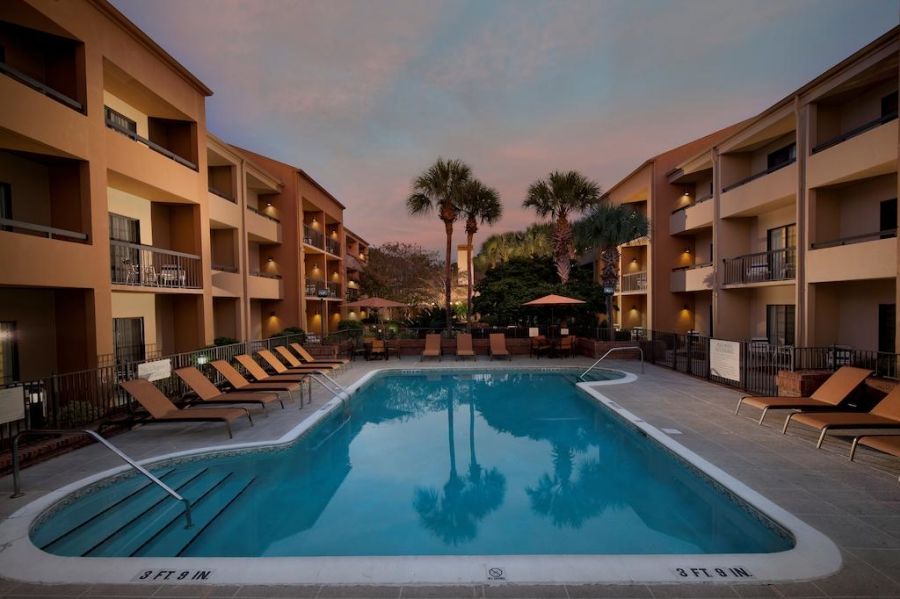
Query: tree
[(533, 242), (403, 272), (558, 196), (606, 227), (436, 189), (504, 288), (478, 203)]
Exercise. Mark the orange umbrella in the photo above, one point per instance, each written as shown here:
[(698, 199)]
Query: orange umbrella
[(554, 300), (375, 302)]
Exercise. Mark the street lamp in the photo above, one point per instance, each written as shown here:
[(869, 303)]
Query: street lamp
[(322, 293)]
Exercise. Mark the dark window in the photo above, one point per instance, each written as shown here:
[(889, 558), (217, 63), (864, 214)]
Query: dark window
[(119, 120), (2, 54), (781, 157), (887, 327), (5, 204), (9, 357), (125, 262), (888, 218), (780, 324), (889, 105), (128, 334)]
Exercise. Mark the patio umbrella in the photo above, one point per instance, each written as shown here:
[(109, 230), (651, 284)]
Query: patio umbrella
[(554, 300), (375, 303)]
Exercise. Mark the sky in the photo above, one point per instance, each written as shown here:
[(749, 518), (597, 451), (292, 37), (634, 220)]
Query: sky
[(364, 95)]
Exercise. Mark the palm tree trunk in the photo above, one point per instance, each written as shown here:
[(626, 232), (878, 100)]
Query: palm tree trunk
[(562, 248), (609, 276), (448, 226), (469, 244), (451, 435)]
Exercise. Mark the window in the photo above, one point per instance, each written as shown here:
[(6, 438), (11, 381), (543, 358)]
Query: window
[(9, 357), (887, 328), (781, 157), (780, 324), (889, 105), (888, 218), (128, 335), (5, 204), (117, 120), (125, 261)]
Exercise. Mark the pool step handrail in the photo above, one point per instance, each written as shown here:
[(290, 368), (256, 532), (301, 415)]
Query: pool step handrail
[(615, 349), (335, 392), (17, 484)]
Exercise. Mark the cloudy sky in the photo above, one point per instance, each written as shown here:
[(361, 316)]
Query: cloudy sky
[(365, 94)]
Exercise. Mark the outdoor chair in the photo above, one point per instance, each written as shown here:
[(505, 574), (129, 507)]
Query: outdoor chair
[(566, 346), (239, 382), (540, 346), (208, 393), (432, 346), (292, 361), (889, 444), (498, 346), (162, 410), (833, 392), (886, 414), (464, 346), (308, 357), (282, 370), (377, 350), (261, 376)]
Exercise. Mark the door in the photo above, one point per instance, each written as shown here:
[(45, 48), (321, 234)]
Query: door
[(887, 328), (128, 335), (781, 243), (9, 357), (780, 324), (125, 260), (887, 218)]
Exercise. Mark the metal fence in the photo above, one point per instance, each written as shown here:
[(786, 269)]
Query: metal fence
[(78, 399)]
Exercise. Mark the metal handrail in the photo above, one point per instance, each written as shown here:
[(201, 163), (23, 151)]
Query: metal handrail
[(17, 487), (49, 231), (614, 349), (41, 87)]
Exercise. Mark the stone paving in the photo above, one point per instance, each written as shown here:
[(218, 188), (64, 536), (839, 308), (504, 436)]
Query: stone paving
[(857, 505)]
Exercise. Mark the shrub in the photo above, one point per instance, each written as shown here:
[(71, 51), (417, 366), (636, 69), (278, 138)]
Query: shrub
[(224, 341)]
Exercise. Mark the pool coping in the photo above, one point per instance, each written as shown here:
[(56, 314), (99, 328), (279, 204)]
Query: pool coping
[(813, 556)]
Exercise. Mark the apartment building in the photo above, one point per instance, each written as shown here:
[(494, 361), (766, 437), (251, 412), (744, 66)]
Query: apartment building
[(784, 227), (125, 229)]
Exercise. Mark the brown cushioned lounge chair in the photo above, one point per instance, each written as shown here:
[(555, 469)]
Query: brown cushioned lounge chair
[(282, 370), (833, 392), (209, 393), (498, 346), (884, 415), (293, 363), (378, 349), (239, 382), (464, 346), (889, 444), (310, 359), (259, 374), (432, 347), (161, 409)]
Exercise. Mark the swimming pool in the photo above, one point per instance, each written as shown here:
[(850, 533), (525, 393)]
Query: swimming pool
[(430, 464)]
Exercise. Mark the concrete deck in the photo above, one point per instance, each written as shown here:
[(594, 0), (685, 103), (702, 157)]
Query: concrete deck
[(856, 504)]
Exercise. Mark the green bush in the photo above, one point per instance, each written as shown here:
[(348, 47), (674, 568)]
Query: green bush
[(292, 331), (224, 341), (349, 325)]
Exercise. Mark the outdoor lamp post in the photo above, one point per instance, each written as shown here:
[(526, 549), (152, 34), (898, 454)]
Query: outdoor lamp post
[(322, 293)]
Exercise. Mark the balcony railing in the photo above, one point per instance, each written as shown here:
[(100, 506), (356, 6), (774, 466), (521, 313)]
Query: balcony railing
[(147, 266), (334, 289), (41, 87), (312, 237), (265, 275), (699, 200), (17, 226), (352, 294), (313, 286), (753, 177), (854, 132), (113, 122), (886, 234), (262, 214), (333, 246), (634, 281), (775, 265), (224, 268), (222, 194)]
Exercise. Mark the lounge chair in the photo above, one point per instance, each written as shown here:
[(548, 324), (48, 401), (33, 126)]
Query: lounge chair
[(210, 394), (566, 346), (237, 381), (286, 355), (432, 346), (309, 358), (833, 392), (884, 415), (161, 409), (378, 349), (498, 346), (259, 374), (464, 346), (282, 370), (540, 346), (889, 444)]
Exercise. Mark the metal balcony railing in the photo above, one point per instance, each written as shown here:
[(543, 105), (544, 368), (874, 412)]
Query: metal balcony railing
[(312, 237), (262, 214), (333, 246), (755, 176), (854, 132), (334, 289), (313, 286), (17, 226), (885, 234), (115, 121), (634, 281), (147, 266), (775, 265), (41, 87)]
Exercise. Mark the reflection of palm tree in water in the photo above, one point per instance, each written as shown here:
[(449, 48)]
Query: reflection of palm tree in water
[(453, 514)]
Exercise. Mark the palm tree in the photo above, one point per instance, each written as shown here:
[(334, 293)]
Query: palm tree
[(558, 196), (477, 202), (436, 189), (606, 227)]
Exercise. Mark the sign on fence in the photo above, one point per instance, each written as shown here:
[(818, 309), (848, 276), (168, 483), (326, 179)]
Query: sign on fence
[(156, 370), (725, 359), (12, 404)]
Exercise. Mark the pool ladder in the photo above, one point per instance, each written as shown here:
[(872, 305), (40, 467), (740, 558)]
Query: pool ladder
[(615, 349), (17, 484), (332, 386)]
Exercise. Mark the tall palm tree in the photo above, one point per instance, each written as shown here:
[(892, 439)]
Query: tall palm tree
[(436, 189), (558, 196), (477, 202), (606, 227)]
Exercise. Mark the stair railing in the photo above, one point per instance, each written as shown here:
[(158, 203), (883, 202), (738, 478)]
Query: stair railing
[(615, 349)]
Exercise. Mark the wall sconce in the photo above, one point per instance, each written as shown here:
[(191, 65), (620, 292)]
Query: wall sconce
[(268, 204), (634, 307), (687, 250), (272, 313), (685, 307), (634, 260), (271, 259)]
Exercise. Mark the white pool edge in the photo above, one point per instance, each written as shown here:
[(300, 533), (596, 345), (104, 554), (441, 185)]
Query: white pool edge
[(813, 556)]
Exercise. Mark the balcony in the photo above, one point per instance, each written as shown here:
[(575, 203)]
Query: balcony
[(226, 281), (264, 286), (634, 282), (334, 290), (122, 124), (312, 287), (352, 294), (17, 226), (138, 265), (333, 246), (692, 278), (222, 194), (689, 218), (772, 188), (313, 237), (761, 267), (867, 151), (262, 227), (871, 256)]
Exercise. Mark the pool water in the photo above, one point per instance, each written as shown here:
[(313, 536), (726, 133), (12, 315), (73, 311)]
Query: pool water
[(429, 463)]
